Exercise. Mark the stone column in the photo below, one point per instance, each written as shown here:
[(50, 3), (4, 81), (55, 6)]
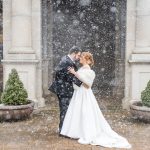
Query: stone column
[(142, 27), (21, 26), (22, 44), (47, 44), (137, 49)]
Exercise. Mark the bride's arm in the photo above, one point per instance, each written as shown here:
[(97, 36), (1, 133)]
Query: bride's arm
[(71, 70)]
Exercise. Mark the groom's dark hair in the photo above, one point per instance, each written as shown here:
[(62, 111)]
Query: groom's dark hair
[(75, 50)]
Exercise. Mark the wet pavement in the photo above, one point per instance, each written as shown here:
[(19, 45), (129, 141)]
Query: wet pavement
[(40, 131)]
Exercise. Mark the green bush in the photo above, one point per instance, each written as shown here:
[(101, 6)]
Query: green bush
[(14, 92), (145, 95)]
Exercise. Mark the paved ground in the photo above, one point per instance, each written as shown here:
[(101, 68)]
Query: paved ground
[(39, 132)]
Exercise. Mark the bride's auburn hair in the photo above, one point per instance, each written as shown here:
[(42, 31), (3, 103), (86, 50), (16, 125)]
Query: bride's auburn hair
[(88, 57)]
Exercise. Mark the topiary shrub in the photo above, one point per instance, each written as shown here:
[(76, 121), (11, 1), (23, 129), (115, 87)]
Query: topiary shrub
[(145, 95), (14, 92)]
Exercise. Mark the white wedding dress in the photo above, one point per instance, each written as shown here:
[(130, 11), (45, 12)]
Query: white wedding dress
[(84, 119)]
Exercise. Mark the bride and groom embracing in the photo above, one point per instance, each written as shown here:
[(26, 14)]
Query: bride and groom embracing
[(80, 115)]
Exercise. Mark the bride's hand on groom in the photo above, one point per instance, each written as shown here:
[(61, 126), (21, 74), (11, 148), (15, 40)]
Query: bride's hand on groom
[(85, 85), (71, 70)]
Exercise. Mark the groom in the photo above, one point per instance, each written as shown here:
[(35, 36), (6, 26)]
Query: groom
[(62, 86)]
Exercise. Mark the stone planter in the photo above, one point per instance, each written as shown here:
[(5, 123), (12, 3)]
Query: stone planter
[(14, 113), (139, 111)]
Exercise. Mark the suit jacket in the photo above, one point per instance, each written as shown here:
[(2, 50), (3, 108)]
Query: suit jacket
[(62, 85)]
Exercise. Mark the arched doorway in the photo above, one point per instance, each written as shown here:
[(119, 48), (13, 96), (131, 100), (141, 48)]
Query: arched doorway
[(97, 26)]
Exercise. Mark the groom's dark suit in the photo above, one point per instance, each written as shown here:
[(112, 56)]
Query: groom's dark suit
[(62, 86)]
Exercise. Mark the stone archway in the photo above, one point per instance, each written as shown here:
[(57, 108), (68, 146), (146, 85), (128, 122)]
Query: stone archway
[(68, 23)]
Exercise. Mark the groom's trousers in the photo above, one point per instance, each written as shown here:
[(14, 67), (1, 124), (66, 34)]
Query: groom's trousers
[(63, 106)]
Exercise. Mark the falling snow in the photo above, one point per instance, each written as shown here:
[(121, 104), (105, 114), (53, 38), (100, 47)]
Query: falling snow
[(94, 26), (97, 26)]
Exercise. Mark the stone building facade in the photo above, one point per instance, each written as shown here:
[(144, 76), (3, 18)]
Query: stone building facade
[(27, 26)]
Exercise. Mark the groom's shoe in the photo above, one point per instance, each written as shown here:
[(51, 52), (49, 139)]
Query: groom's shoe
[(58, 132), (63, 136), (60, 135)]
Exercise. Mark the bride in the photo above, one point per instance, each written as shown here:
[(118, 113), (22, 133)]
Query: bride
[(84, 120)]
